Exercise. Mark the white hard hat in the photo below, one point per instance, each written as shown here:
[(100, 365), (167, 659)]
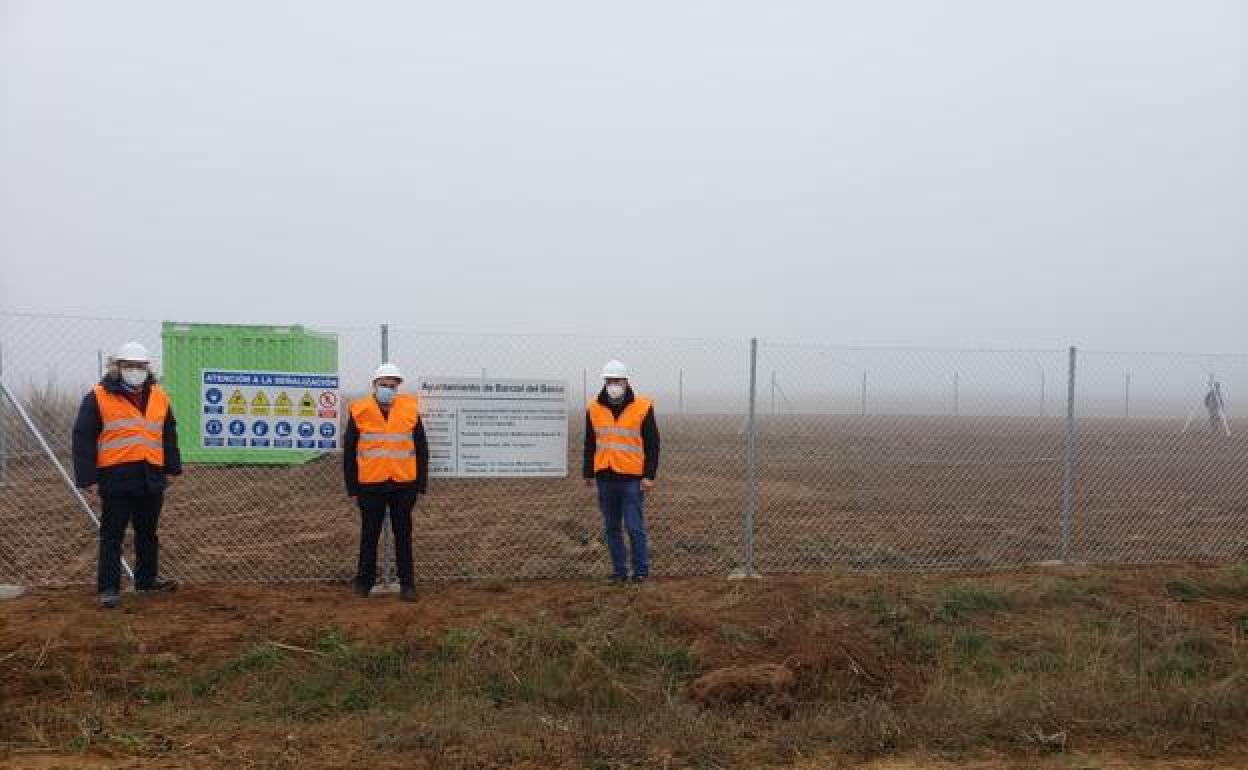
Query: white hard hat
[(387, 370), (613, 370), (132, 351)]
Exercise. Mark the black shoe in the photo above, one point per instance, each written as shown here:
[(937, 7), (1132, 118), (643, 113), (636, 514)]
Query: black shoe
[(637, 579), (108, 600), (159, 585), (407, 593), (362, 592)]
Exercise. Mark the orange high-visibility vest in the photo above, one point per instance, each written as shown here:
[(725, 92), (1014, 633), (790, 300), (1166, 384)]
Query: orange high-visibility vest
[(128, 435), (617, 442), (386, 450)]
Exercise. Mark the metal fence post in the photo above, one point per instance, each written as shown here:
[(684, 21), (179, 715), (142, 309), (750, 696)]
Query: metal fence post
[(1068, 475), (681, 390), (1126, 397), (751, 474), (4, 447), (387, 560), (1043, 407), (864, 393), (955, 394)]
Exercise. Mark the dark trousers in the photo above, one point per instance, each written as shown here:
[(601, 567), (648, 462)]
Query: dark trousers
[(373, 508), (143, 511)]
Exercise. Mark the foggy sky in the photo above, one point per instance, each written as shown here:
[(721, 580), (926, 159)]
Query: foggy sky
[(928, 173)]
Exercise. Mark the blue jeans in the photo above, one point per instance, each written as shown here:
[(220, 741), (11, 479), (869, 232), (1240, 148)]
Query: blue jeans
[(621, 504)]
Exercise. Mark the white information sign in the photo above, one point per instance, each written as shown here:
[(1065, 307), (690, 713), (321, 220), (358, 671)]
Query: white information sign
[(506, 428), (268, 410)]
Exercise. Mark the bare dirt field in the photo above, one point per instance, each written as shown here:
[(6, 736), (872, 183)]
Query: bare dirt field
[(833, 493)]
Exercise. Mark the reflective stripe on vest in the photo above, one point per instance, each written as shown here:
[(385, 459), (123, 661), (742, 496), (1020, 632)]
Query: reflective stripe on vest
[(618, 445), (133, 423), (385, 436), (387, 448), (130, 441), (617, 432), (126, 434), (385, 453)]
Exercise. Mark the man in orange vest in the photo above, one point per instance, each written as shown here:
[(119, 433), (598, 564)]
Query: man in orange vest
[(621, 459), (126, 441), (384, 463)]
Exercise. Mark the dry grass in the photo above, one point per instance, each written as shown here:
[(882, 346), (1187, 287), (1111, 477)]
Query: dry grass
[(1020, 666)]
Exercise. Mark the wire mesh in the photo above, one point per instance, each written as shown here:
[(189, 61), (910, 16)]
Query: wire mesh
[(867, 458), (908, 458), (1160, 477)]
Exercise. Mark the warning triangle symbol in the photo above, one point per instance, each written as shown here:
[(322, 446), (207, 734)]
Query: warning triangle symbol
[(260, 403)]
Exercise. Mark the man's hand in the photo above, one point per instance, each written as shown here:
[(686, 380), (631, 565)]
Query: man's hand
[(647, 485), (589, 483)]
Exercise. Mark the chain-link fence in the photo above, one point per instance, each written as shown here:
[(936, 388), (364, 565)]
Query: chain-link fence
[(851, 458)]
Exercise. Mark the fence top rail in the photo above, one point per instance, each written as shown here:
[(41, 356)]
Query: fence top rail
[(570, 335), (909, 348), (1159, 353), (390, 327), (790, 345)]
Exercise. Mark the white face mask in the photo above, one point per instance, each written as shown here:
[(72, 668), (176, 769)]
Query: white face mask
[(384, 393), (134, 377), (616, 391)]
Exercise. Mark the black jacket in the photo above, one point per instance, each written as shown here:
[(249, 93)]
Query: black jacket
[(649, 439), (137, 478), (351, 469)]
